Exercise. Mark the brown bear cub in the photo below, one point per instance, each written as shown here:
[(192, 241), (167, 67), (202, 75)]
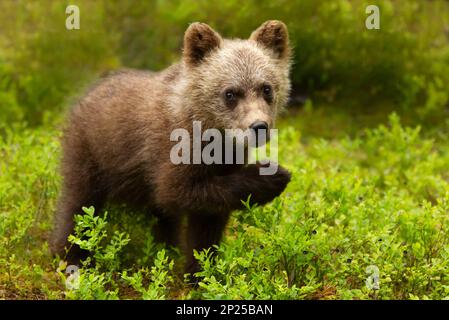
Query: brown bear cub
[(116, 146)]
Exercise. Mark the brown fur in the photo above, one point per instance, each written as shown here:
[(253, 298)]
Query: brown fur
[(116, 145)]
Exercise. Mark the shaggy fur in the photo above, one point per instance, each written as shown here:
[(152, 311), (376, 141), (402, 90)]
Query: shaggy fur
[(116, 146)]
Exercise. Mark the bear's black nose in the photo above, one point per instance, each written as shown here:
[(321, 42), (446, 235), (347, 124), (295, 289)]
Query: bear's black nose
[(261, 132), (259, 125)]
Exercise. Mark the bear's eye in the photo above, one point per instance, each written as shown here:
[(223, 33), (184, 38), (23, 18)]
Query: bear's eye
[(230, 97), (267, 92)]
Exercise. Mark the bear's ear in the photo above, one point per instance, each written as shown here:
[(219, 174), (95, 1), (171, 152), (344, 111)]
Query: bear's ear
[(273, 34), (199, 40)]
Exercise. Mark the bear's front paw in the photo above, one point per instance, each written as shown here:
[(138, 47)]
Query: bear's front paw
[(281, 178), (272, 186)]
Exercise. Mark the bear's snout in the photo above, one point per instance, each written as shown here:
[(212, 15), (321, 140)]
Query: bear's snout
[(259, 125), (261, 130)]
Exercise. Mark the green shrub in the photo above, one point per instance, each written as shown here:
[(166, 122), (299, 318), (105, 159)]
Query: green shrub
[(100, 274), (27, 192), (377, 199)]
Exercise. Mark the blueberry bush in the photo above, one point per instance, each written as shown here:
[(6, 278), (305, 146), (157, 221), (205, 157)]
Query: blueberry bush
[(377, 200)]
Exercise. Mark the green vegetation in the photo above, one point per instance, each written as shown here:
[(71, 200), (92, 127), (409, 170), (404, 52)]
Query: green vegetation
[(369, 153), (378, 198)]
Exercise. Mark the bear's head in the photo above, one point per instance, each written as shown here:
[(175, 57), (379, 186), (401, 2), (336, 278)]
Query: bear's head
[(233, 83)]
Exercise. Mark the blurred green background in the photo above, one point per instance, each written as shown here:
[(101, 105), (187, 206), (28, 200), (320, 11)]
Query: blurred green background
[(405, 64)]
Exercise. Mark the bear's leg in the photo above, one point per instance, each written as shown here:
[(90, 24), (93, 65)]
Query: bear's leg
[(203, 231), (167, 229), (79, 189)]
